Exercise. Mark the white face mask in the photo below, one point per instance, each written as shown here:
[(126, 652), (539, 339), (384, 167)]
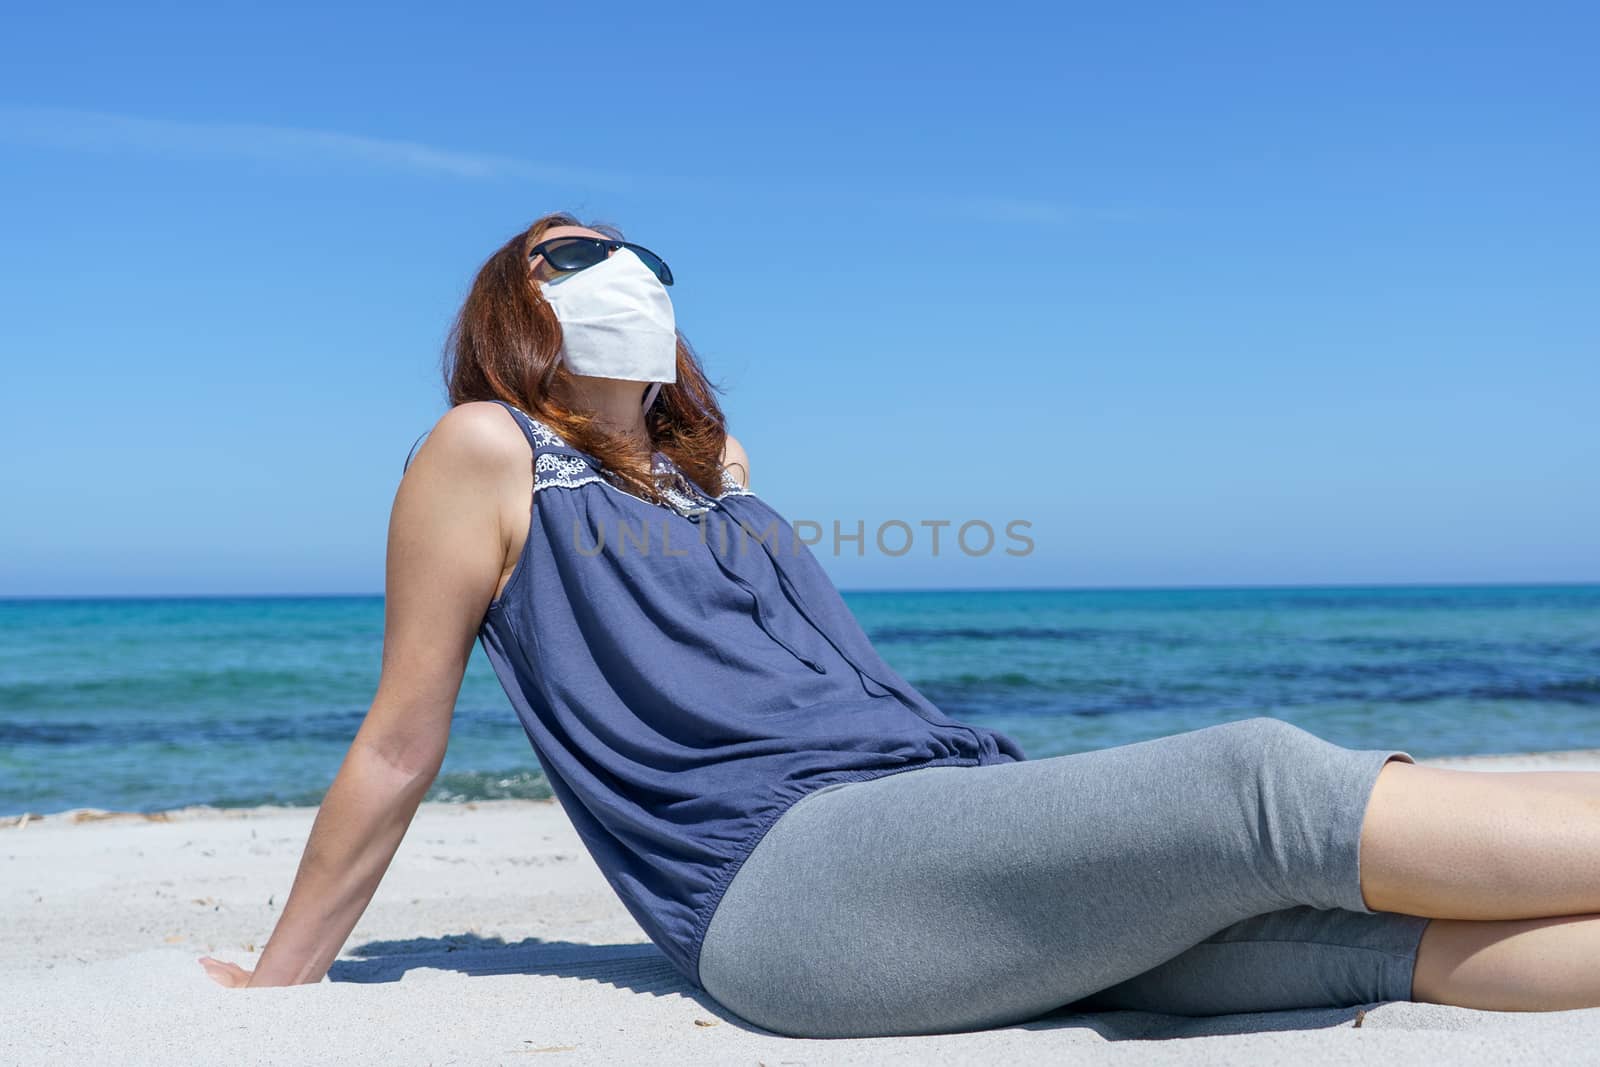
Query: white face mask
[(616, 322)]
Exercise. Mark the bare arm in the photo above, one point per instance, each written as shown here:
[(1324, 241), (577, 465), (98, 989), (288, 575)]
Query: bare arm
[(446, 554)]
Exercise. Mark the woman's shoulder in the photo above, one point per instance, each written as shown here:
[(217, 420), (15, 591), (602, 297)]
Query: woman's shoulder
[(735, 463), (476, 436), (493, 420)]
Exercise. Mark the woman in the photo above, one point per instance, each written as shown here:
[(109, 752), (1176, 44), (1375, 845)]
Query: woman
[(807, 838)]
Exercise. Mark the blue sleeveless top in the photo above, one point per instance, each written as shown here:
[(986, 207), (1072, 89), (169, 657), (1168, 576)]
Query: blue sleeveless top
[(685, 674)]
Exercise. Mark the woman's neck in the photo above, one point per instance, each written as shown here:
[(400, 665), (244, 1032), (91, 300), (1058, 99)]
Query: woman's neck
[(615, 404)]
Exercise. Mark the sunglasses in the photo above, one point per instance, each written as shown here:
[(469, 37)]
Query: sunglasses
[(565, 255)]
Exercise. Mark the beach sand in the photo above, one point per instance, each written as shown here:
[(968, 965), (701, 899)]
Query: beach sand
[(494, 939)]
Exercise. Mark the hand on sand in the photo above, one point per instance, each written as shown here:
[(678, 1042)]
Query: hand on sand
[(228, 974)]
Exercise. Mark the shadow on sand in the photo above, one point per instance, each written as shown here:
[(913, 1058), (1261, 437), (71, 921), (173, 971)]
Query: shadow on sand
[(641, 968)]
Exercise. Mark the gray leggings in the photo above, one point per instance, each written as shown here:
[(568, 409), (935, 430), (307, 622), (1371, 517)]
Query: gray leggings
[(1207, 872)]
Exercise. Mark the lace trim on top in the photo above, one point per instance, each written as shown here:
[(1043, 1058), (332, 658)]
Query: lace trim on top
[(557, 469)]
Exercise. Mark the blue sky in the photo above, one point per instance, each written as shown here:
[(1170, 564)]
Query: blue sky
[(1206, 294)]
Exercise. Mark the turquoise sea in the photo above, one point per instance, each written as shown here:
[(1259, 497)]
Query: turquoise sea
[(145, 704)]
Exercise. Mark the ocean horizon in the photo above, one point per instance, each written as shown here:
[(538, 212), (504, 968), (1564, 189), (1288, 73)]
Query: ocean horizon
[(144, 703)]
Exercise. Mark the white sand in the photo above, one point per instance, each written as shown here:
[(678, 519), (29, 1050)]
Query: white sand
[(493, 939)]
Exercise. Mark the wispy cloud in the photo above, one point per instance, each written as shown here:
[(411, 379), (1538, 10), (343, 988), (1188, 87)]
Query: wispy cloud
[(296, 147), (102, 131)]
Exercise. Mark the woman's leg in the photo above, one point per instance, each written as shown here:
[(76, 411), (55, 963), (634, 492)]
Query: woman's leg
[(952, 898), (1305, 957), (1293, 958), (1482, 845), (1546, 964)]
